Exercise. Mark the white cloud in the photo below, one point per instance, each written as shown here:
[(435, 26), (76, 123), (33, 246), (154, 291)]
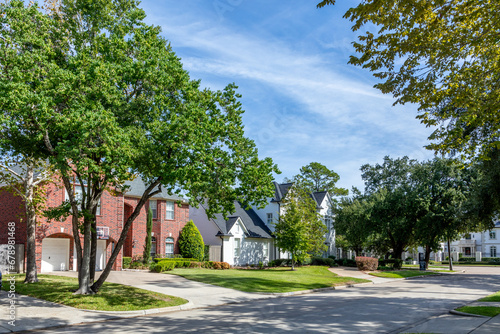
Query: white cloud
[(302, 105)]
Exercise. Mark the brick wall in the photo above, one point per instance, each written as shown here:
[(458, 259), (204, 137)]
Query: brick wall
[(162, 227), (114, 210)]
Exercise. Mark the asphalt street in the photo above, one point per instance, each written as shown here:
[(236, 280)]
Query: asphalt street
[(392, 307)]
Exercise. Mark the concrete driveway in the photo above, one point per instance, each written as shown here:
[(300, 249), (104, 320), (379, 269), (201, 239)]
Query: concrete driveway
[(393, 307)]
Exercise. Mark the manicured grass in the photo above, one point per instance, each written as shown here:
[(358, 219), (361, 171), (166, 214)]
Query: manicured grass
[(491, 298), (401, 273), (489, 311), (111, 297), (268, 280)]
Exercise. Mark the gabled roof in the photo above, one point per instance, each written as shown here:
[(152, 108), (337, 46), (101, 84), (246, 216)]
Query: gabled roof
[(255, 227), (319, 197), (280, 191)]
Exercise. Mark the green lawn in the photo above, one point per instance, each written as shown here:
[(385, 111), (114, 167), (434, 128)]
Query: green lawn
[(489, 311), (268, 280), (491, 298), (402, 273), (111, 297)]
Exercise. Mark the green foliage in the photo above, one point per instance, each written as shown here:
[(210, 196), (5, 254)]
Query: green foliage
[(206, 253), (147, 244), (126, 262), (440, 54), (317, 177), (191, 242), (102, 96), (300, 230), (320, 261)]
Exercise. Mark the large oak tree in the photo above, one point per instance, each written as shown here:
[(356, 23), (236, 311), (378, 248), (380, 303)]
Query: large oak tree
[(108, 100)]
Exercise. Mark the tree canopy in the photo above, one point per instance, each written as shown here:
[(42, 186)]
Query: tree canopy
[(442, 55), (100, 94), (317, 177)]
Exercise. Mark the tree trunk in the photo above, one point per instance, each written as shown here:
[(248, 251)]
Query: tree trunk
[(93, 250), (449, 255), (84, 272), (427, 256), (146, 195), (31, 275)]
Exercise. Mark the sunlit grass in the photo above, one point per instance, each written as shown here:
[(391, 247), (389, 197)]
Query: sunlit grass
[(111, 297), (268, 280)]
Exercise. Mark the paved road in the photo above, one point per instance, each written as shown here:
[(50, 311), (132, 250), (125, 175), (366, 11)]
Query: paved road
[(392, 307)]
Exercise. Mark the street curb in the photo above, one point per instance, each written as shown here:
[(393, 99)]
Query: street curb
[(455, 312), (189, 305)]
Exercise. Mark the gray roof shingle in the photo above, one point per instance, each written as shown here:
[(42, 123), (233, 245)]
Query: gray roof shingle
[(255, 226)]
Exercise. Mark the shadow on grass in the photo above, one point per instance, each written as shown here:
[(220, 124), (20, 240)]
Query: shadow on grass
[(111, 297)]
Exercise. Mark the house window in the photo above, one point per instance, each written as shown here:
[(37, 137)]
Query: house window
[(237, 245), (153, 205), (153, 247), (468, 237), (170, 210), (493, 251), (265, 249), (269, 218), (328, 223), (169, 247), (493, 235), (79, 197)]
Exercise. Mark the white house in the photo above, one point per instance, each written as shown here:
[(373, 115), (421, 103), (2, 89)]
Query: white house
[(245, 237), (486, 242)]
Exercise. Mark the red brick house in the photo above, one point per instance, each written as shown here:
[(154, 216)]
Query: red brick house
[(54, 240)]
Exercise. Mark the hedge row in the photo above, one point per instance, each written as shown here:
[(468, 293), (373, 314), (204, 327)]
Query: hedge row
[(162, 266)]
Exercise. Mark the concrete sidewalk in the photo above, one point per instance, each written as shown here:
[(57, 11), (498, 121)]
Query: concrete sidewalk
[(455, 324)]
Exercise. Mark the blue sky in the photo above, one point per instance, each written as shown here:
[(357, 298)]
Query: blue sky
[(302, 101)]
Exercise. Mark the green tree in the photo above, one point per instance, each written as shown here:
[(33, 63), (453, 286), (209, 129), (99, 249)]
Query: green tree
[(300, 229), (100, 94), (436, 53), (351, 220), (27, 177), (391, 194), (443, 187), (147, 243), (191, 242), (317, 177)]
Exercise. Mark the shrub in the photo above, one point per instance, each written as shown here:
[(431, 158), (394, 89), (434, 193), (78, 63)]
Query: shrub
[(191, 242), (152, 266), (174, 259), (206, 253), (394, 263), (163, 266), (179, 263), (366, 263), (332, 257), (320, 261), (126, 262), (215, 265), (346, 262)]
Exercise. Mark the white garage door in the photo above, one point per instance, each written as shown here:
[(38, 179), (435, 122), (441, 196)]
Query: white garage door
[(55, 254), (100, 259)]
